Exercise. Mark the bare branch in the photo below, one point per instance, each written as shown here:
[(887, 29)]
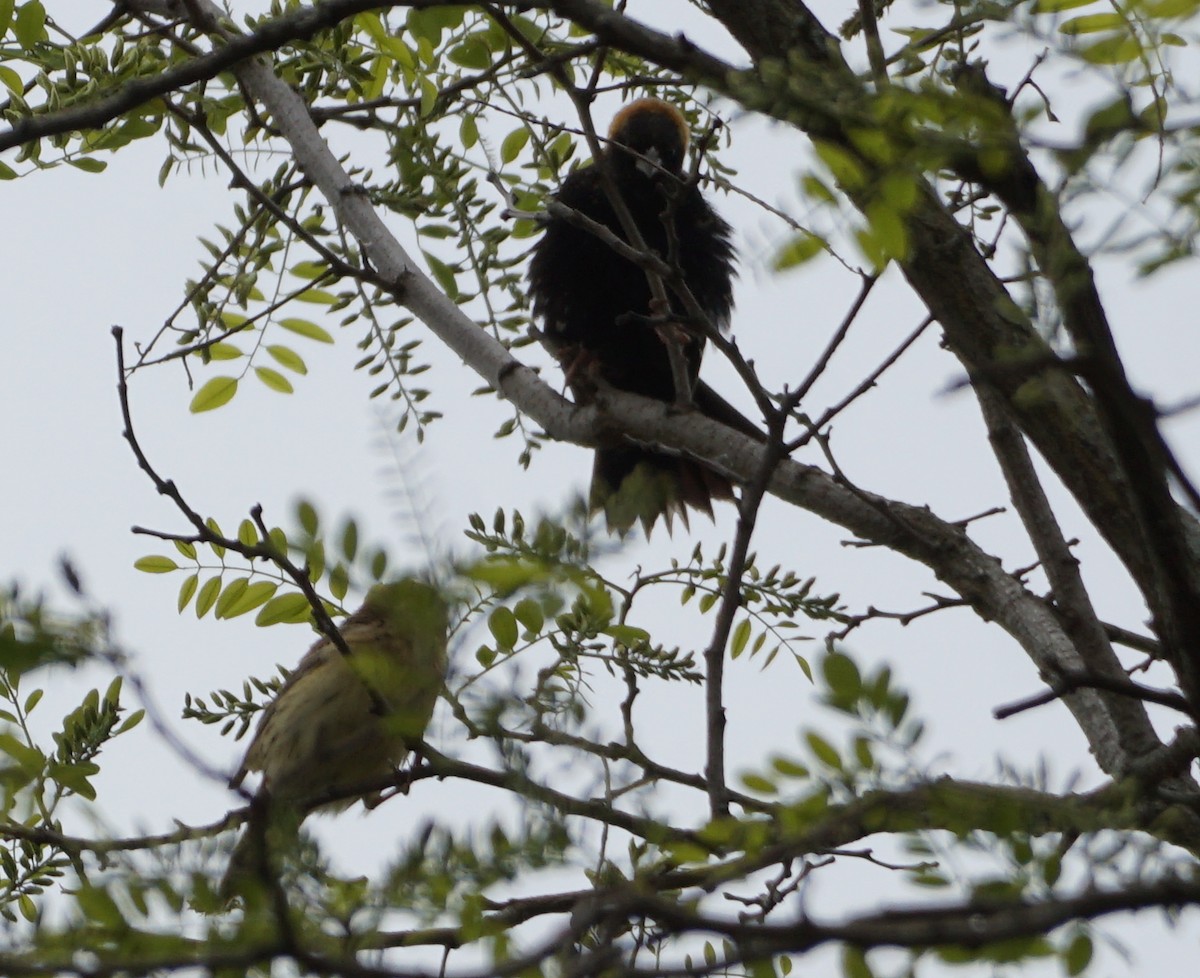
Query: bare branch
[(1070, 682)]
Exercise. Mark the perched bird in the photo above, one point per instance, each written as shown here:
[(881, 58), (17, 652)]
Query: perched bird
[(339, 722), (597, 312)]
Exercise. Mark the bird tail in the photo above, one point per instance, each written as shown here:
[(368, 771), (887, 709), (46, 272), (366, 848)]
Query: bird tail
[(637, 485), (634, 485), (270, 832)]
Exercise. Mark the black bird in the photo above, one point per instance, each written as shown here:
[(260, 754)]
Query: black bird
[(599, 320)]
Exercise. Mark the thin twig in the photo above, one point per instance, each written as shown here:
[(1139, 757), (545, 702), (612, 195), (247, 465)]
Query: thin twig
[(731, 600), (795, 397), (870, 381), (264, 550), (1070, 682)]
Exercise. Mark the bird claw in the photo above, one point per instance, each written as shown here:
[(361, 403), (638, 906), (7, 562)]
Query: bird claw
[(581, 369), (673, 333)]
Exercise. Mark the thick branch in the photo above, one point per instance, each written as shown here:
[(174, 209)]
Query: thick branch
[(910, 530), (1162, 556), (1105, 454), (298, 25), (975, 924), (1071, 597)]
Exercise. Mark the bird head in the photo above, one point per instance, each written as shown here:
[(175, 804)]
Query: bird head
[(413, 610), (656, 135)]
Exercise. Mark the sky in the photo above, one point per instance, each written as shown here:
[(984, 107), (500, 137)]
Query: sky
[(83, 253)]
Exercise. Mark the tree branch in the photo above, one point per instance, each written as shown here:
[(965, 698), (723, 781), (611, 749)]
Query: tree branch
[(1094, 654), (910, 530)]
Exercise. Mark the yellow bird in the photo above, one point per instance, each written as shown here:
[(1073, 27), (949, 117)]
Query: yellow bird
[(340, 722)]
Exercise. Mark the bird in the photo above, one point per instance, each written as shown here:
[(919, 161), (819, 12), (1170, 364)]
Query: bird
[(340, 722), (599, 319)]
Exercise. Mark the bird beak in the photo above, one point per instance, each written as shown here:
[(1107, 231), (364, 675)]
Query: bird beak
[(650, 162)]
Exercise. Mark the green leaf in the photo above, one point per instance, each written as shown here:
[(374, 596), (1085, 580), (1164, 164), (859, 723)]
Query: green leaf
[(1110, 120), (682, 851), (854, 963), (278, 539), (221, 351), (274, 380), (628, 635), (377, 78), (306, 513), (1116, 50), (506, 574), (309, 270), (1092, 23), (74, 777), (502, 623), (29, 759), (29, 27), (6, 14), (933, 880), (842, 675), (318, 297), (213, 525), (443, 273), (802, 248), (229, 594), (247, 534), (887, 238), (823, 750), (846, 170), (251, 597), (789, 768), (1052, 868), (468, 131), (741, 635), (98, 906), (283, 609), (472, 53), (131, 721), (207, 596), (429, 97), (214, 394), (513, 143), (400, 52), (89, 164), (339, 581), (760, 784), (1078, 954), (315, 559), (1056, 6), (529, 613), (302, 327), (7, 172), (1170, 9), (350, 540), (155, 564), (187, 590)]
